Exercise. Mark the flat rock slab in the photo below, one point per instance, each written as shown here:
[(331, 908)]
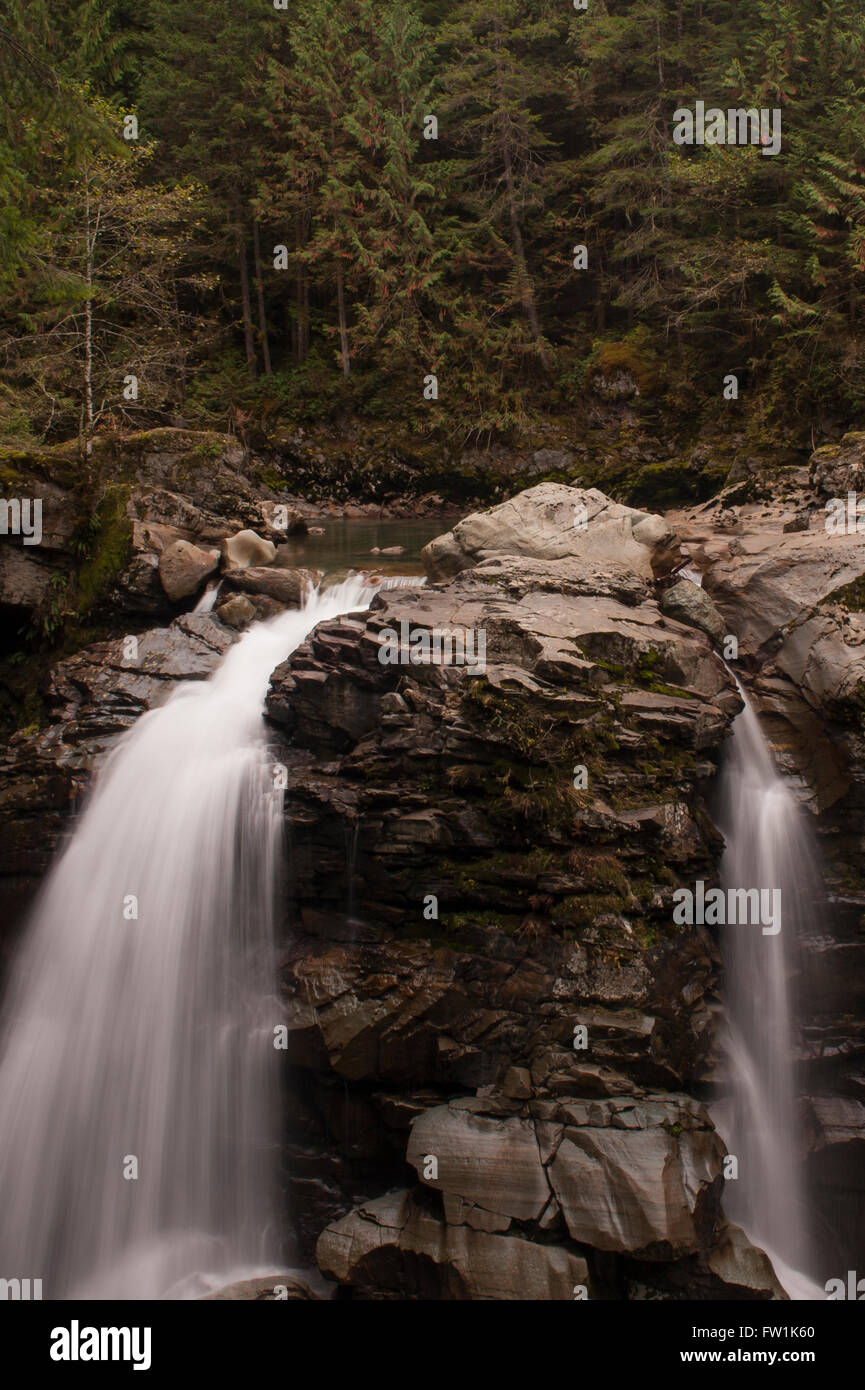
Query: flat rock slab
[(379, 1243)]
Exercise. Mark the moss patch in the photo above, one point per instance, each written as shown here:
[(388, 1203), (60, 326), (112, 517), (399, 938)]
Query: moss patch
[(106, 541)]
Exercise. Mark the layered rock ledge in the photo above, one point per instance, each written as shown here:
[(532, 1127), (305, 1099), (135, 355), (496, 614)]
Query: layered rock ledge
[(483, 969)]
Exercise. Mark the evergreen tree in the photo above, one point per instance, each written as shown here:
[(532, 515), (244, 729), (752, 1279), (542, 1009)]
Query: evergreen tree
[(200, 97), (344, 180)]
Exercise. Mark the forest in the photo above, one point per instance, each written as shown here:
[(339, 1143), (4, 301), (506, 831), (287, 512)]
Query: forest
[(448, 218)]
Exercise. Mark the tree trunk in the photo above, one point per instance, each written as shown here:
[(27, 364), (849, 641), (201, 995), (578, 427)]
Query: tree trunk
[(259, 291), (343, 329), (300, 326), (304, 319), (248, 336), (527, 296), (88, 320)]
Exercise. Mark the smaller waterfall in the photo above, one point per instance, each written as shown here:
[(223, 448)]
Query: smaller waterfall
[(208, 599), (768, 846)]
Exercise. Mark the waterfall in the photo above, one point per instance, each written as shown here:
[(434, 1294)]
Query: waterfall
[(767, 846), (139, 1118)]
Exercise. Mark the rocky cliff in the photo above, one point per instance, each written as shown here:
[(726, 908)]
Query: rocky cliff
[(500, 1046), (489, 1007)]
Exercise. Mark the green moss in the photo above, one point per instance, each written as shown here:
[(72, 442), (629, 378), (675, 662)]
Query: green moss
[(11, 479), (631, 356), (647, 936), (206, 449), (583, 911), (107, 543), (272, 478), (535, 736), (850, 596), (669, 484), (19, 465)]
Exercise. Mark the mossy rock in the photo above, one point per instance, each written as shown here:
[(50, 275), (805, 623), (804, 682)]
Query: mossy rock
[(672, 483), (850, 596), (109, 542)]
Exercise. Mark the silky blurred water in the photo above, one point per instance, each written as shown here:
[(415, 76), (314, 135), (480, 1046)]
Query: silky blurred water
[(768, 845), (145, 1042)]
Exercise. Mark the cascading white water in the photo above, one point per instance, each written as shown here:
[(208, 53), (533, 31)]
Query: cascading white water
[(767, 846), (148, 1040)]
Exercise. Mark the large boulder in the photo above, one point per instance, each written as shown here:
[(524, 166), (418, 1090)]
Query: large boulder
[(491, 1164), (183, 568), (627, 1174), (290, 587), (246, 549), (635, 1181), (550, 522), (689, 603)]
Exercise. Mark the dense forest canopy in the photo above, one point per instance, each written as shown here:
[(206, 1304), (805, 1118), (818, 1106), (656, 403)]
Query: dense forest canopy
[(307, 212)]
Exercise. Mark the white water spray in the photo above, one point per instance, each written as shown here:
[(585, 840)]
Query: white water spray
[(137, 1031), (767, 846)]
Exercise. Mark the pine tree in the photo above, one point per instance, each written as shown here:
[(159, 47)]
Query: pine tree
[(344, 180), (499, 77), (199, 96)]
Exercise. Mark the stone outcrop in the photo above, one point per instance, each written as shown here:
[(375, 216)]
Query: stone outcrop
[(138, 513), (393, 1243), (836, 469), (28, 571), (551, 522), (483, 967)]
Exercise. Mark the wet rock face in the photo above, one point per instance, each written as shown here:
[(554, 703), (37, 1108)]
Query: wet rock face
[(27, 570), (395, 1245), (835, 1126), (482, 947)]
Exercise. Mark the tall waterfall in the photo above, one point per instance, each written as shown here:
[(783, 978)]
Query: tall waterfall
[(138, 1105), (767, 846)]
